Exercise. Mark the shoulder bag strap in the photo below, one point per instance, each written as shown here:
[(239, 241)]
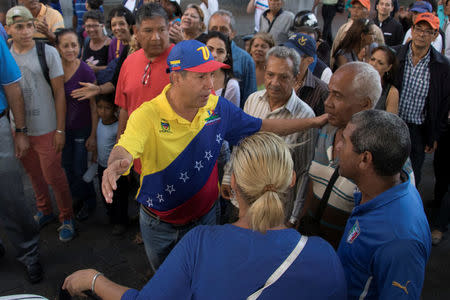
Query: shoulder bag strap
[(282, 268), (326, 195)]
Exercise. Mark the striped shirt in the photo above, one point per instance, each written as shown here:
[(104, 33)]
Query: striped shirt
[(257, 105), (314, 92), (415, 87)]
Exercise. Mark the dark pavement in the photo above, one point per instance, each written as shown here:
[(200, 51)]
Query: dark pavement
[(125, 262)]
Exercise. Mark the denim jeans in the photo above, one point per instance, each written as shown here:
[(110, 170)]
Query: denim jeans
[(74, 161), (160, 237), (15, 211)]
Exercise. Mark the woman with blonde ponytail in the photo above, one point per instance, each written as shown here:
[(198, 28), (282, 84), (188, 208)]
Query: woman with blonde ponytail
[(257, 257)]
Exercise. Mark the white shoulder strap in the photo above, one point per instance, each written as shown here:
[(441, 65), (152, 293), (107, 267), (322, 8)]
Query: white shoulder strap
[(282, 268)]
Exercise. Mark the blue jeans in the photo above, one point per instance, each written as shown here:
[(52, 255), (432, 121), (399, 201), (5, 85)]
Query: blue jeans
[(160, 237), (74, 161), (15, 211)]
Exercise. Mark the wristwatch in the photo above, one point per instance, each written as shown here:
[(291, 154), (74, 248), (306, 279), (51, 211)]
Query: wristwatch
[(23, 130)]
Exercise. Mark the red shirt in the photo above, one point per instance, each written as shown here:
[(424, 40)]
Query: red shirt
[(131, 92)]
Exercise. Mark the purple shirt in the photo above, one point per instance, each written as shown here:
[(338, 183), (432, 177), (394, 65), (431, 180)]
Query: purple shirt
[(112, 51), (78, 112)]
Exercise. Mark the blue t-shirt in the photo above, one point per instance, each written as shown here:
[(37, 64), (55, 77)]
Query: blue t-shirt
[(386, 245), (9, 72), (229, 262)]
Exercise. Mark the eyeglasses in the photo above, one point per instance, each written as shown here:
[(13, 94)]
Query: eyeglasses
[(423, 31), (147, 72), (92, 26)]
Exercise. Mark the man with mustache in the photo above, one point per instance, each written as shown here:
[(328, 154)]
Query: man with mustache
[(143, 74), (279, 101)]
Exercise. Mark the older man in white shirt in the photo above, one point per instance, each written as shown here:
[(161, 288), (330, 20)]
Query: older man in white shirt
[(279, 101)]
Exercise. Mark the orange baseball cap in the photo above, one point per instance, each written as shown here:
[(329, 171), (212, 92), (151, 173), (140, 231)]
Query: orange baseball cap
[(429, 18), (365, 3)]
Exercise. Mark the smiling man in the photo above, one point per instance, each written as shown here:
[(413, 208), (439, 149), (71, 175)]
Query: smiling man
[(178, 137)]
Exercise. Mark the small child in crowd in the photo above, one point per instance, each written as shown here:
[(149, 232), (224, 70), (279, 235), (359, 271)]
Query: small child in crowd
[(106, 138)]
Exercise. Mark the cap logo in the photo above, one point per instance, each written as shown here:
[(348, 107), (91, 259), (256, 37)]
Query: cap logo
[(205, 52), (302, 41)]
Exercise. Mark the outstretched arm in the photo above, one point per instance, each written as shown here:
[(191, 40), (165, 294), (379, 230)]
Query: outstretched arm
[(118, 163), (288, 126)]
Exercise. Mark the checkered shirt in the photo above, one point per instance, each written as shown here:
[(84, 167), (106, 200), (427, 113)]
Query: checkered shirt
[(416, 83)]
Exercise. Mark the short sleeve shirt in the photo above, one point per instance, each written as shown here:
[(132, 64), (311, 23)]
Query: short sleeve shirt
[(179, 179), (37, 93), (53, 18), (130, 91), (9, 72)]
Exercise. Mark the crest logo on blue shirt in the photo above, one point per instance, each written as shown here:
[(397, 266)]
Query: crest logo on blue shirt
[(213, 117), (353, 233)]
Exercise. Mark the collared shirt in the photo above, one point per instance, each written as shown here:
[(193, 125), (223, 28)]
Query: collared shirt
[(179, 178), (416, 83), (279, 27), (392, 31), (341, 200), (386, 245), (258, 106), (244, 70), (314, 92), (53, 18)]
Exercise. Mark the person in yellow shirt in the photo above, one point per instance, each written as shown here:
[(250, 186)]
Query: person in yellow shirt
[(178, 136)]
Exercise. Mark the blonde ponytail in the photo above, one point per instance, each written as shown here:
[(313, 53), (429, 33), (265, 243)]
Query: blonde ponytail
[(262, 165)]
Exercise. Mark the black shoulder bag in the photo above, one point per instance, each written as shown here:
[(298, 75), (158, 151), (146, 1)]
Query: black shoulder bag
[(310, 225)]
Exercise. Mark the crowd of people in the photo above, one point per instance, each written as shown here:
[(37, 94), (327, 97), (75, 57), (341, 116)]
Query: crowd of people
[(281, 168)]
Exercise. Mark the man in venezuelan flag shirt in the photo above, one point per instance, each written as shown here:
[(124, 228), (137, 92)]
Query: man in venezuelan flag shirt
[(178, 136)]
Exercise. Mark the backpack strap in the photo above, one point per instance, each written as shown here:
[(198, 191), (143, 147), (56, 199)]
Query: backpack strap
[(40, 48)]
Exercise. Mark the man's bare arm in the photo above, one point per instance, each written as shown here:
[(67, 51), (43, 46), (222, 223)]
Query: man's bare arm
[(14, 97), (284, 127)]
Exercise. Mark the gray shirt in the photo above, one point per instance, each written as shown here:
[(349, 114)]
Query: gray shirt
[(106, 139), (38, 97), (280, 26)]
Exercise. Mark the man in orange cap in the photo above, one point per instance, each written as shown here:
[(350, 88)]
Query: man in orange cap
[(360, 10), (423, 88)]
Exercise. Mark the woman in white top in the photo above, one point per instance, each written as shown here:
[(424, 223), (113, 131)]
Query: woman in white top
[(224, 83)]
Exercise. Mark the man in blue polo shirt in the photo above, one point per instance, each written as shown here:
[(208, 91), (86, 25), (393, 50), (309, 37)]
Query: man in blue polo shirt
[(386, 243)]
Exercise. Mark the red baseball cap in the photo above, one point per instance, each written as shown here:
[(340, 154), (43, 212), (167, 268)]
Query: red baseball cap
[(429, 18), (365, 3)]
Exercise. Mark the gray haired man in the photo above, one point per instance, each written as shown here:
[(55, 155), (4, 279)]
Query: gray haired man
[(279, 101), (353, 88)]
